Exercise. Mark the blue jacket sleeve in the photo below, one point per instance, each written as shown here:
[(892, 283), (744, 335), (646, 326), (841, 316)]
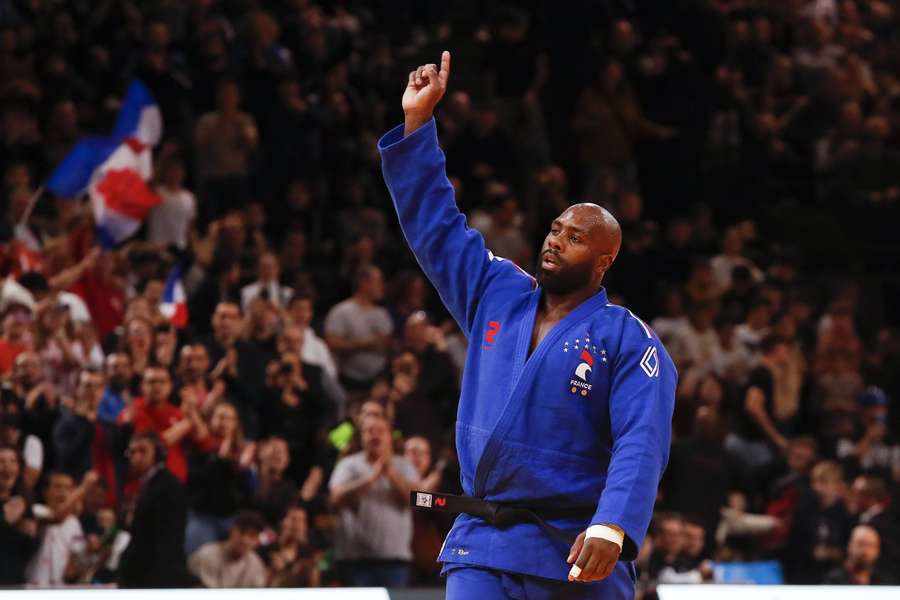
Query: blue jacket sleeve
[(641, 402), (452, 255), (72, 439)]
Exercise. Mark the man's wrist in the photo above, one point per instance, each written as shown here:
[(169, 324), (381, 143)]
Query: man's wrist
[(412, 122), (607, 531)]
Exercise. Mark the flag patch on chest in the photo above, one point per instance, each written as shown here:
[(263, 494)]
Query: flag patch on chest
[(580, 383)]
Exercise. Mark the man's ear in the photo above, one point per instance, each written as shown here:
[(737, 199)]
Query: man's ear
[(604, 262)]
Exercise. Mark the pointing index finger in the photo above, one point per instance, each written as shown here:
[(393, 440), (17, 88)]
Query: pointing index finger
[(444, 75)]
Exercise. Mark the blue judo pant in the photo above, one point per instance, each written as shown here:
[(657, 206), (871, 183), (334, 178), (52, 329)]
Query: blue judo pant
[(465, 582)]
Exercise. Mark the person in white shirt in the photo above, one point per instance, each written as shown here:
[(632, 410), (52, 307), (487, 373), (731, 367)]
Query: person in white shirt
[(700, 339), (820, 10), (314, 350), (62, 535), (267, 284), (723, 264), (755, 327), (672, 325), (734, 360), (170, 220)]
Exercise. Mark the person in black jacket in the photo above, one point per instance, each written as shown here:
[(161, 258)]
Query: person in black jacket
[(238, 364), (861, 565), (155, 557), (218, 479), (75, 431), (293, 409), (820, 530), (18, 541), (872, 501)]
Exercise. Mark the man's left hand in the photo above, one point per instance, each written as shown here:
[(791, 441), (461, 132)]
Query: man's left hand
[(594, 557)]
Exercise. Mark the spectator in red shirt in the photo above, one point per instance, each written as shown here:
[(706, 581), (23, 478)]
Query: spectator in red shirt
[(193, 378), (15, 339), (153, 412), (104, 294)]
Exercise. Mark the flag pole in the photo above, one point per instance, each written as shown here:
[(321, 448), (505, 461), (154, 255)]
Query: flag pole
[(31, 204)]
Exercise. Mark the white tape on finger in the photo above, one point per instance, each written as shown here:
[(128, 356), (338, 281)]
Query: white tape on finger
[(575, 571)]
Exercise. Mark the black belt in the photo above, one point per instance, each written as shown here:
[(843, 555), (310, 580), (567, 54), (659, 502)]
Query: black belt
[(502, 515)]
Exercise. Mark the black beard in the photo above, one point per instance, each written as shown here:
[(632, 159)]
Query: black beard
[(566, 280)]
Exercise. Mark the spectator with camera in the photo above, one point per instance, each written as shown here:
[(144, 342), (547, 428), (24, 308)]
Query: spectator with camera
[(292, 408), (268, 284), (412, 412), (294, 335)]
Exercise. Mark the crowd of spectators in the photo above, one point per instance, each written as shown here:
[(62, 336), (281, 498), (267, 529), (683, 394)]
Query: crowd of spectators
[(749, 148)]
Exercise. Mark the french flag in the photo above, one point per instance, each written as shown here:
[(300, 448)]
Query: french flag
[(173, 305), (114, 170)]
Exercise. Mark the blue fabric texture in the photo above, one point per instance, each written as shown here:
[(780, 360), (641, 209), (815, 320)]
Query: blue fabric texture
[(465, 582), (111, 405), (584, 420)]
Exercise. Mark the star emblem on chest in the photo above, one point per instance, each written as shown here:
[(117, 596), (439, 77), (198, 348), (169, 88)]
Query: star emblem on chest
[(583, 343)]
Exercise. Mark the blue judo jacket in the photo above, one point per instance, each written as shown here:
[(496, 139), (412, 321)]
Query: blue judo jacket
[(585, 419)]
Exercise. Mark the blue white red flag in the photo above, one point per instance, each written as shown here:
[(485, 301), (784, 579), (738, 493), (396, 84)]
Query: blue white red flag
[(173, 305), (114, 170)]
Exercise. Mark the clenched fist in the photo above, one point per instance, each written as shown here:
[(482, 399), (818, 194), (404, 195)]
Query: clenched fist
[(424, 90)]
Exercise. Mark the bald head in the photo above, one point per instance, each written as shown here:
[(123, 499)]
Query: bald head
[(582, 244), (603, 229), (864, 547)]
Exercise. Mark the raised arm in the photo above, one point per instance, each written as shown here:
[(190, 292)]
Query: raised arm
[(453, 256)]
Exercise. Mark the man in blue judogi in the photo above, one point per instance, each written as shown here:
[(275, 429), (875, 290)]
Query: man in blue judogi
[(566, 399)]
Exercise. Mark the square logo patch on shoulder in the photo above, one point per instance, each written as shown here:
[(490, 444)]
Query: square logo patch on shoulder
[(423, 500)]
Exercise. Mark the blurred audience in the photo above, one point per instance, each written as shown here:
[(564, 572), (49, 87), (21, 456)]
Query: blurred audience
[(739, 144)]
